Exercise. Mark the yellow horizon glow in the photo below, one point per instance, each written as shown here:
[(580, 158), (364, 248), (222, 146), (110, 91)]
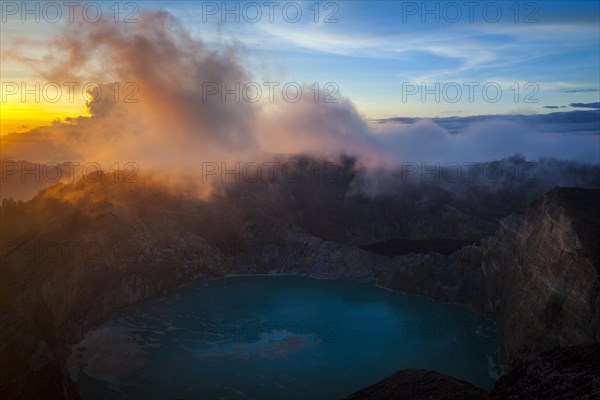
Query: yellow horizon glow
[(24, 93), (19, 117)]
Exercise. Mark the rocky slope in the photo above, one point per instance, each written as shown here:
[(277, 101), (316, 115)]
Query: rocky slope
[(94, 250), (543, 274), (564, 374), (415, 384), (539, 278)]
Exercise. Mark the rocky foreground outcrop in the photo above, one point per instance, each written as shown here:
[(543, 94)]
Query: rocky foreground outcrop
[(564, 374), (418, 384), (569, 373), (537, 277)]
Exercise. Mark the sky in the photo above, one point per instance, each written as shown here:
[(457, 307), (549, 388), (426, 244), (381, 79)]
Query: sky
[(375, 51), (390, 59)]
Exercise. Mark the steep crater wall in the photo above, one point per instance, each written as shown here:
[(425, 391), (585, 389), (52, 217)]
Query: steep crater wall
[(537, 277)]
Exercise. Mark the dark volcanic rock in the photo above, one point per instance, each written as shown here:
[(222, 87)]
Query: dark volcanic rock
[(418, 384), (542, 274), (537, 277), (570, 373), (397, 247)]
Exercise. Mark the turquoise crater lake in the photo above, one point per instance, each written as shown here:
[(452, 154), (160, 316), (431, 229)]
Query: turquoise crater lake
[(279, 337)]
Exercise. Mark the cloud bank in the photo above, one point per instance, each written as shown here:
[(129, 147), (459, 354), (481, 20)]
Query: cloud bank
[(571, 135), (174, 126), (585, 105), (174, 122)]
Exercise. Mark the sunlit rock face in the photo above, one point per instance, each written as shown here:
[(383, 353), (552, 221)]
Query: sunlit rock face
[(538, 276), (543, 274)]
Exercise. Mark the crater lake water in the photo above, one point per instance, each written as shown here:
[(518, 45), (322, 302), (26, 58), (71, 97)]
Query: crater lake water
[(279, 337)]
